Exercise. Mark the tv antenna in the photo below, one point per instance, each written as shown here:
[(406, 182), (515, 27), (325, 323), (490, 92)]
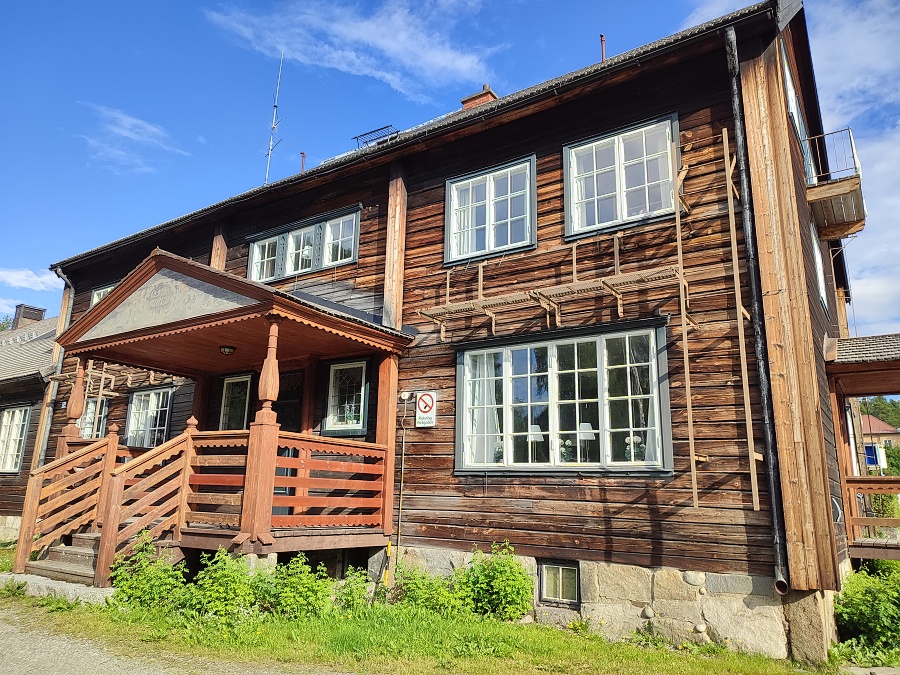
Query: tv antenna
[(275, 122)]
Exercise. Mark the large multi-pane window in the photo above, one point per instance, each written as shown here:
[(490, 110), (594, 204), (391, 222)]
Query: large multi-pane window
[(570, 403), (491, 211), (795, 113), (306, 246), (617, 178), (347, 402), (148, 418), (13, 430)]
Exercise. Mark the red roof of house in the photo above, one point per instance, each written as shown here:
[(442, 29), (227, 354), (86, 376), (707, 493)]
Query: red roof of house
[(873, 425)]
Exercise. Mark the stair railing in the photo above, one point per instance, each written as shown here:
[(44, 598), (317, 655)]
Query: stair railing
[(144, 494), (63, 496)]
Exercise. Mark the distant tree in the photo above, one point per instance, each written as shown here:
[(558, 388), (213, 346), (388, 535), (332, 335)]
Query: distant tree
[(882, 408), (893, 459), (6, 323)]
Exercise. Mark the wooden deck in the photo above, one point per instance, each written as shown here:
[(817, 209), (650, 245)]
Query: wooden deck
[(879, 549)]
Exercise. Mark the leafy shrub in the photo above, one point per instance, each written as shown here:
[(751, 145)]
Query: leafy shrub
[(352, 594), (145, 579), (498, 584), (444, 596), (224, 587), (298, 591), (12, 589), (868, 608)]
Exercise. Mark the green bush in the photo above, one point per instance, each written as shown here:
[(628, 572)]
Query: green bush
[(298, 591), (352, 594), (224, 587), (868, 608), (145, 579), (447, 597), (498, 584)]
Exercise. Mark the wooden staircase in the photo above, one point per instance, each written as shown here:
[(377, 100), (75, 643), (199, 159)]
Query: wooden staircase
[(76, 563)]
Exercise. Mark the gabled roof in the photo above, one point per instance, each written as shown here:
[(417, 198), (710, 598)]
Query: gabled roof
[(27, 351), (874, 425), (471, 116), (868, 349)]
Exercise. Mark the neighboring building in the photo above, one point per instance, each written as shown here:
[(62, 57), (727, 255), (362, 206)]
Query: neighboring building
[(591, 318), (26, 363), (879, 432)]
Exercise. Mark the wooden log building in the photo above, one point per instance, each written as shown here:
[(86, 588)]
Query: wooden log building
[(588, 318)]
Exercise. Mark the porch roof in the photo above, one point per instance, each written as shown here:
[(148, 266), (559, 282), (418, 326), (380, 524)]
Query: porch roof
[(173, 315), (865, 366)]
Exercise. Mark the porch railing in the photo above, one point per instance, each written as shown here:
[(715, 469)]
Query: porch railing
[(861, 526), (327, 482)]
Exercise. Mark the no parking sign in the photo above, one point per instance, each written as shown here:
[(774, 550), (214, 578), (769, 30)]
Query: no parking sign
[(426, 408)]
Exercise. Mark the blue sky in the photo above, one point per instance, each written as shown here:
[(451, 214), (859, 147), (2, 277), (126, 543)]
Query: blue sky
[(117, 116)]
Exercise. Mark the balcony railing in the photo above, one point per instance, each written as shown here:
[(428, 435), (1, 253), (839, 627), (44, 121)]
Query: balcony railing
[(831, 156), (834, 184)]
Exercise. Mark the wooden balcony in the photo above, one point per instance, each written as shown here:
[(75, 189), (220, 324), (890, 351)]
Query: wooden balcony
[(834, 186), (195, 491), (870, 536)]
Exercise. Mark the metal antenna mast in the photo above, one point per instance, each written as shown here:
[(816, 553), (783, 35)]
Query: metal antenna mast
[(275, 121)]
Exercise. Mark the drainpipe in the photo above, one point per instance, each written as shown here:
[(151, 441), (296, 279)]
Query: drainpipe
[(757, 318), (54, 384)]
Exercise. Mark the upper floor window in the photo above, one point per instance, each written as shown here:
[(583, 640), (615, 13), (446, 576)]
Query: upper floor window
[(492, 211), (148, 418), (576, 403), (13, 430), (309, 245), (618, 178), (795, 112), (820, 265), (99, 293)]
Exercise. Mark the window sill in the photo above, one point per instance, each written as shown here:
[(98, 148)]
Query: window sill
[(344, 433), (303, 273), (558, 472), (454, 262)]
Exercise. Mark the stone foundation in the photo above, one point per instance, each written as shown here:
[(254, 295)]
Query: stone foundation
[(737, 610), (9, 527)]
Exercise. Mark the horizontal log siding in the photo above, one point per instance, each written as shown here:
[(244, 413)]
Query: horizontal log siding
[(13, 485), (620, 519)]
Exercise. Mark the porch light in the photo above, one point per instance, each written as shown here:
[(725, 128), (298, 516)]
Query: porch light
[(227, 350)]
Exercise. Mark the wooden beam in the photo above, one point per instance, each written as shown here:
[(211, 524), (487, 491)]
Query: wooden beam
[(308, 404), (386, 431), (219, 250), (832, 231), (832, 188), (395, 249)]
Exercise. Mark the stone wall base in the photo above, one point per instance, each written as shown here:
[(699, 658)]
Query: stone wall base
[(9, 527), (740, 611)]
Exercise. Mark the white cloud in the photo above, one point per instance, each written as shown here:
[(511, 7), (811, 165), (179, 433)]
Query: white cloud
[(405, 45), (8, 306), (44, 280), (122, 141), (707, 10)]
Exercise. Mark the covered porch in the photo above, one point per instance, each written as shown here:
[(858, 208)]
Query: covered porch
[(858, 367), (235, 477)]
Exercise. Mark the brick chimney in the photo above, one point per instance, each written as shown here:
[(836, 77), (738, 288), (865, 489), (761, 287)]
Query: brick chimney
[(486, 95), (25, 314)]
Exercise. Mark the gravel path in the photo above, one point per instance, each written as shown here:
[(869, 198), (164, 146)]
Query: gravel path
[(27, 648)]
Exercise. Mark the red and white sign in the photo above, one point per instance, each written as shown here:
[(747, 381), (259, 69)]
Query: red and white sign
[(426, 408)]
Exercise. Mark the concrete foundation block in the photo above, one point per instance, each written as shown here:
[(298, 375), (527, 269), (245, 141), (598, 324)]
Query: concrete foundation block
[(810, 616), (603, 582), (264, 562), (669, 584), (740, 584), (560, 617), (9, 527), (434, 560), (751, 623), (613, 620)]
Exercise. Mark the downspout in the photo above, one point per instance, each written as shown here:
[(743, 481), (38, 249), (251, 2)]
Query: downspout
[(757, 319), (54, 383)]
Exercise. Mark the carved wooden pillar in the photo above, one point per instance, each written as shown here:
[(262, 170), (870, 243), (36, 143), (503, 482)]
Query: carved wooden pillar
[(262, 448), (74, 410), (386, 432), (109, 464)]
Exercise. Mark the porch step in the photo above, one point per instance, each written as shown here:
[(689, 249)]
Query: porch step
[(89, 540), (61, 571), (74, 555)]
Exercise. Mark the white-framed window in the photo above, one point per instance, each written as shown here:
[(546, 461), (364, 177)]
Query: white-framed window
[(148, 418), (13, 430), (92, 422), (579, 403), (347, 399), (795, 113), (621, 177), (491, 211), (559, 582), (820, 265), (99, 293), (235, 402), (308, 245)]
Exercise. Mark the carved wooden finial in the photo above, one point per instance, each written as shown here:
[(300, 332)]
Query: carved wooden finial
[(192, 423), (113, 429)]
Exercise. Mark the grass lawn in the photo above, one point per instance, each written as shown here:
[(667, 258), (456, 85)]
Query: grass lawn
[(385, 639), (7, 553)]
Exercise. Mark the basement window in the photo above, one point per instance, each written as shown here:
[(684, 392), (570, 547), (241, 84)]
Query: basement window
[(619, 178), (491, 211), (559, 583), (306, 246)]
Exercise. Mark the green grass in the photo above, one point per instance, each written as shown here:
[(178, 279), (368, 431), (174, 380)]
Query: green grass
[(7, 554), (384, 639)]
